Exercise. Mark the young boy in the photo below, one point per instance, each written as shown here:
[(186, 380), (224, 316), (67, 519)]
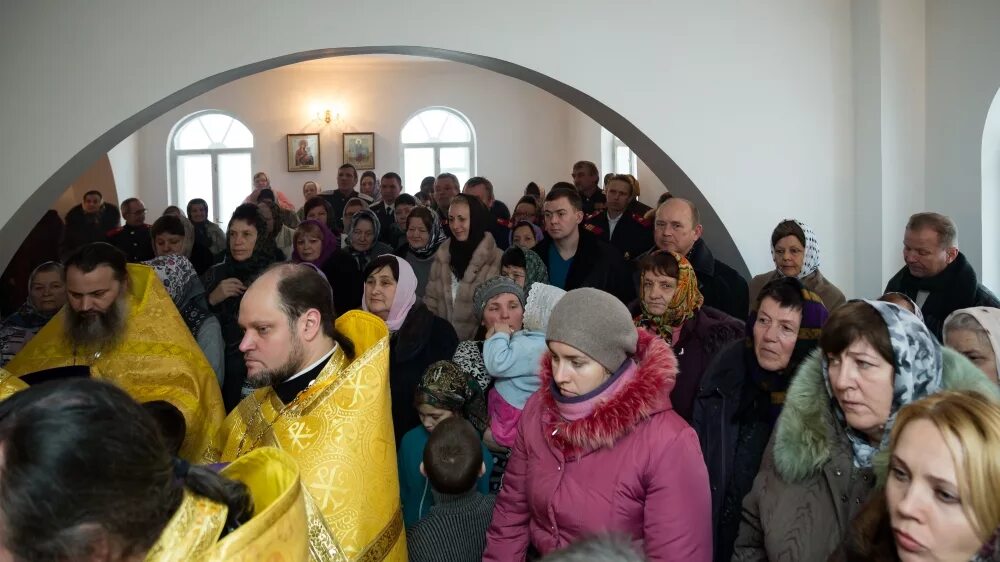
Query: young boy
[(455, 528)]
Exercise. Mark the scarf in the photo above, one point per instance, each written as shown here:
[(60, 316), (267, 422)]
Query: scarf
[(185, 289), (989, 319), (682, 307), (918, 365), (363, 257), (264, 254), (405, 298), (329, 244), (534, 268), (774, 383), (445, 386), (810, 262), (539, 235), (479, 220), (434, 240), (201, 234)]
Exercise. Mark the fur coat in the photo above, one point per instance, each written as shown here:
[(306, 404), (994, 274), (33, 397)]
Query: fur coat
[(485, 263)]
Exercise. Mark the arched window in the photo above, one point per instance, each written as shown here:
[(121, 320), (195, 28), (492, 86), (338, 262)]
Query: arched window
[(210, 158), (437, 140)]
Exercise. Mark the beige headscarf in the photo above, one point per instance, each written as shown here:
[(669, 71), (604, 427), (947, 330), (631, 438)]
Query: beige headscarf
[(988, 318)]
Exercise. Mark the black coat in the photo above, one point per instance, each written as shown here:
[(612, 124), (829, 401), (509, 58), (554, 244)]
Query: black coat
[(722, 286), (954, 288), (346, 279), (136, 242), (596, 264), (82, 228), (632, 236), (721, 397), (422, 339), (386, 219)]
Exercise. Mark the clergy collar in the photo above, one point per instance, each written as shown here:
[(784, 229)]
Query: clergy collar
[(288, 389)]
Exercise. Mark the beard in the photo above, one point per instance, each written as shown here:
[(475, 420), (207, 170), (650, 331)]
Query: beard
[(97, 330), (277, 375)]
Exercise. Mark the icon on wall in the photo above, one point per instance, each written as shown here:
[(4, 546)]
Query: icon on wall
[(359, 150), (303, 152)]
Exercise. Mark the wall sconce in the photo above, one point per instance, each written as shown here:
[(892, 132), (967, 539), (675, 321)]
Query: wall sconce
[(325, 113)]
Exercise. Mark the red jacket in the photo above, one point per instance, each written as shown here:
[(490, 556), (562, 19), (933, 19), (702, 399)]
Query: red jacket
[(632, 467)]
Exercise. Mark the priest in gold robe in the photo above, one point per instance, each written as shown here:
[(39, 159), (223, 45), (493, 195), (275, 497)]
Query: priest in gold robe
[(322, 396), (120, 324)]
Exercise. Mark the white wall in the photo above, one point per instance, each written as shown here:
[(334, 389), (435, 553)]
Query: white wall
[(755, 102), (520, 129), (963, 75), (750, 100), (125, 162)]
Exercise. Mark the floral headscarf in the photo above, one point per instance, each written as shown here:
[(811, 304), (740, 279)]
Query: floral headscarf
[(682, 307), (810, 262), (917, 367), (184, 287), (445, 386), (435, 238), (534, 268)]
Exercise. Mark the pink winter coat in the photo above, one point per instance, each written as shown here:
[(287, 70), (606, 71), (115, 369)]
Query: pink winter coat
[(632, 467)]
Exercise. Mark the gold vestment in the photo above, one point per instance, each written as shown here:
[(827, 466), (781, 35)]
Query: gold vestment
[(156, 359), (339, 430), (276, 532)]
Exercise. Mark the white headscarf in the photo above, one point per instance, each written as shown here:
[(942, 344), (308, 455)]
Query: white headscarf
[(988, 318), (810, 263)]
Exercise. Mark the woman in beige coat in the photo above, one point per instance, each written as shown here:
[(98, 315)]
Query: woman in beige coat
[(795, 251), (461, 264)]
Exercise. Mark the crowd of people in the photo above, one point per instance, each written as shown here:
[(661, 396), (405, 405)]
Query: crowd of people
[(431, 376)]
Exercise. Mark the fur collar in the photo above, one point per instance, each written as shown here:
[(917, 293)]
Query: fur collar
[(481, 256), (807, 431), (640, 399)]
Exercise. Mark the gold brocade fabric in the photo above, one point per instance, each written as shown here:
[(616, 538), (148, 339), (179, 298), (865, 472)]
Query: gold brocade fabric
[(339, 430), (275, 533), (158, 359)]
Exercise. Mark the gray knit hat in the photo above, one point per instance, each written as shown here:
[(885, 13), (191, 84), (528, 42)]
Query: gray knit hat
[(492, 287), (595, 323)]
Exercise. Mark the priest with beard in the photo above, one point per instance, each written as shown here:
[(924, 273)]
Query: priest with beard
[(323, 397), (120, 324)]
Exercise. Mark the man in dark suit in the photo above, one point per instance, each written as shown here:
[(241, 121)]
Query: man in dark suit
[(390, 187), (624, 229), (677, 228), (576, 258), (585, 178)]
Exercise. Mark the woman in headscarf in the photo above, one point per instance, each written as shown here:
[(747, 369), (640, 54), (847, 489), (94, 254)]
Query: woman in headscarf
[(185, 289), (277, 231), (444, 391), (795, 251), (46, 295), (206, 233), (672, 308), (418, 338), (176, 236), (345, 268), (319, 209), (462, 263), (975, 333), (526, 235), (940, 493), (249, 252), (424, 236), (313, 243), (874, 359), (741, 394)]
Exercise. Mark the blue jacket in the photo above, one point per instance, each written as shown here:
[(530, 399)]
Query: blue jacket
[(514, 362)]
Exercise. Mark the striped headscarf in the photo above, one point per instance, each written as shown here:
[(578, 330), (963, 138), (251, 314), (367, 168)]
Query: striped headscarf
[(682, 307)]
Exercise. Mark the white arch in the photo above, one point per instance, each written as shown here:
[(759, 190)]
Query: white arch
[(991, 196)]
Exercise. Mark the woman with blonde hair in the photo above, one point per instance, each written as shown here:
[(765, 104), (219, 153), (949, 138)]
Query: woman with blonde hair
[(940, 495)]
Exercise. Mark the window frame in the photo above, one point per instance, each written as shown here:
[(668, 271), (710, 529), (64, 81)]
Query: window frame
[(472, 144), (173, 154)]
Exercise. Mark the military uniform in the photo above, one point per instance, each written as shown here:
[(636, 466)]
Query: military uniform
[(633, 234), (135, 241)]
